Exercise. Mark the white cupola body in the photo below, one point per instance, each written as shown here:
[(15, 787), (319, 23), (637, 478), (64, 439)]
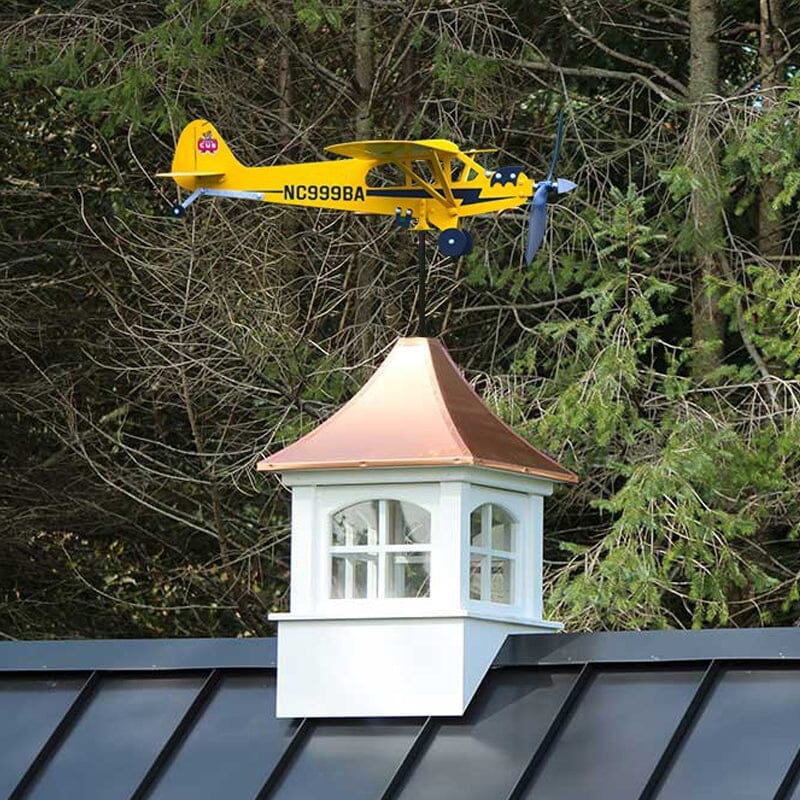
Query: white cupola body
[(416, 545)]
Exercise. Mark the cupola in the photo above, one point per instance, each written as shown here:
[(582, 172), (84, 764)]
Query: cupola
[(416, 545)]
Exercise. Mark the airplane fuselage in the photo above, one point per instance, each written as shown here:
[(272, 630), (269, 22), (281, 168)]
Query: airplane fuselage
[(344, 186), (424, 189)]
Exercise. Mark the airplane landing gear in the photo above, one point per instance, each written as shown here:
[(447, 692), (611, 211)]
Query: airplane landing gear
[(455, 242), (178, 211)]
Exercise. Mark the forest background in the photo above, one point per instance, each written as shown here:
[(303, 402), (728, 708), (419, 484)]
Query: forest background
[(147, 363)]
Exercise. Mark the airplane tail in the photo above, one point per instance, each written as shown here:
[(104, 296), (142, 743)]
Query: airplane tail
[(201, 157)]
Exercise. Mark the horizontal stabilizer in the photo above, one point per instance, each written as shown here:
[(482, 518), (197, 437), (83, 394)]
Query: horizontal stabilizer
[(189, 174)]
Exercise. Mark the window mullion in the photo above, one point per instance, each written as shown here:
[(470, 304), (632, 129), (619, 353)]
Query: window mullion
[(373, 568), (383, 517), (407, 548), (486, 577), (348, 534), (348, 578), (486, 560)]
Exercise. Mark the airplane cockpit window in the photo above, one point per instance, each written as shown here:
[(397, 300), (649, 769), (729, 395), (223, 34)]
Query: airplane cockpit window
[(462, 171), (383, 175), (423, 170)]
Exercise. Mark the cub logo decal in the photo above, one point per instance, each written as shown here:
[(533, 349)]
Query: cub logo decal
[(207, 143)]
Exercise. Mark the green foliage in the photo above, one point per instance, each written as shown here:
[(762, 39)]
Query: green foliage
[(147, 365), (314, 14), (771, 314), (767, 149)]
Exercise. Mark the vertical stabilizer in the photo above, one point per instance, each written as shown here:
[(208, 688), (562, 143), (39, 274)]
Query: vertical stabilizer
[(201, 153)]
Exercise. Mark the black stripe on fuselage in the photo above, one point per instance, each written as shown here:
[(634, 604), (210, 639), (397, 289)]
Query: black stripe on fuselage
[(467, 196)]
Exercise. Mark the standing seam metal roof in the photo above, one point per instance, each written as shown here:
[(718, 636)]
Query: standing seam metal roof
[(670, 715)]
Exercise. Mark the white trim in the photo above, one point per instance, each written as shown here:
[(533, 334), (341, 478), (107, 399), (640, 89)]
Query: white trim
[(304, 547), (478, 476), (533, 557), (351, 611), (374, 549)]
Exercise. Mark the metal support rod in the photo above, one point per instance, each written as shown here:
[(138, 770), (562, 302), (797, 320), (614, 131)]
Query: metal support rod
[(693, 710), (556, 724), (178, 735), (422, 279), (195, 195), (414, 752), (274, 778), (234, 194), (58, 735), (204, 191)]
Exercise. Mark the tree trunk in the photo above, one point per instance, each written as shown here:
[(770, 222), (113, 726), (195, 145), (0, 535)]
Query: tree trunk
[(365, 266), (285, 98), (364, 67), (771, 48), (706, 207)]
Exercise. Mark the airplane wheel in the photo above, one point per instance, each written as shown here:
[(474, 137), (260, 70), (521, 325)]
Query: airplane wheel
[(454, 242), (178, 212)]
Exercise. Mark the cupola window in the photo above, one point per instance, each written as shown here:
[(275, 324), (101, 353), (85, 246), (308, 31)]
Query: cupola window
[(380, 548), (492, 554)]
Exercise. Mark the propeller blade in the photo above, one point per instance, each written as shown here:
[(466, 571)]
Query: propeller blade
[(537, 220), (563, 186), (557, 148)]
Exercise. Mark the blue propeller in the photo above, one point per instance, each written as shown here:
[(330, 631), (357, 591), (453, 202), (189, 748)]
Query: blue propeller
[(537, 216)]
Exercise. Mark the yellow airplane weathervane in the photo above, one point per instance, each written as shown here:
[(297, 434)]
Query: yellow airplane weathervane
[(421, 184)]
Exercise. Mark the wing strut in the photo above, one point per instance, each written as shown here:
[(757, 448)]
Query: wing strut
[(431, 190), (439, 173)]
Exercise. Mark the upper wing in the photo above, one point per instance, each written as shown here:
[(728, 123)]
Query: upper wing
[(394, 149)]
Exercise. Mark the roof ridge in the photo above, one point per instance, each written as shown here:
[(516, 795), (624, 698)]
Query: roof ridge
[(437, 392)]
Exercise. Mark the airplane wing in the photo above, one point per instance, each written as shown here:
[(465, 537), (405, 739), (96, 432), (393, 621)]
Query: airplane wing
[(189, 174), (394, 149)]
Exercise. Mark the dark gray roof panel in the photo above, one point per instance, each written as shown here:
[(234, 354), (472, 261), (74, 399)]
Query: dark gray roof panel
[(138, 654), (481, 755), (613, 740), (30, 709), (743, 741), (115, 740), (233, 746), (352, 759), (641, 716), (642, 646)]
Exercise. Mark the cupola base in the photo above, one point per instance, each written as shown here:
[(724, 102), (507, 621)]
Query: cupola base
[(387, 667)]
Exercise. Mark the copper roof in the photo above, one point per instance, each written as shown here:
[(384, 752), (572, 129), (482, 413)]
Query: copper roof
[(416, 410)]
